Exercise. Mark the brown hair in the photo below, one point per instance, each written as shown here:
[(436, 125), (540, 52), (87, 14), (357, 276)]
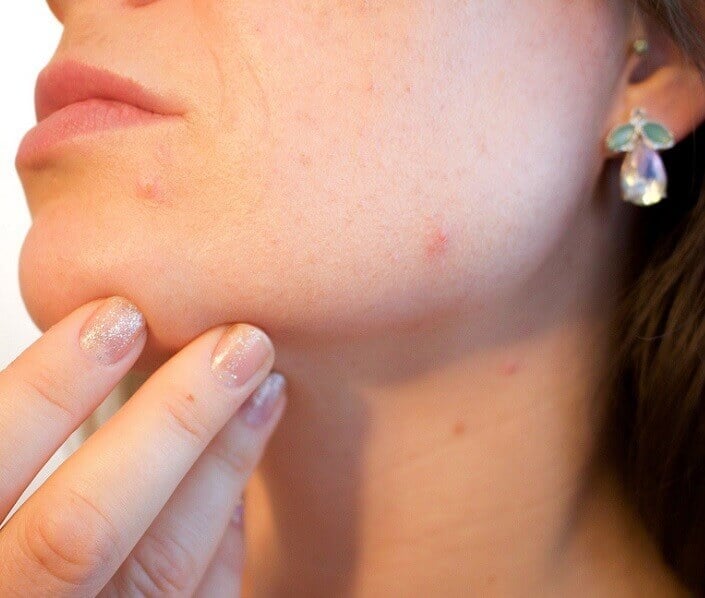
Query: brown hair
[(655, 431)]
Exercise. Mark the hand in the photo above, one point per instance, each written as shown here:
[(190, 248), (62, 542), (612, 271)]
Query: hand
[(143, 506)]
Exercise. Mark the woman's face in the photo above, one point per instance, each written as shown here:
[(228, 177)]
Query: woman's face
[(341, 167)]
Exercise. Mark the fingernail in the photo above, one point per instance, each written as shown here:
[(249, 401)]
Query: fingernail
[(240, 354), (238, 516), (111, 331), (260, 405)]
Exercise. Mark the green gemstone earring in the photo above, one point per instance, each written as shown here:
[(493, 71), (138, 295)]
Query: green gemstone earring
[(643, 176)]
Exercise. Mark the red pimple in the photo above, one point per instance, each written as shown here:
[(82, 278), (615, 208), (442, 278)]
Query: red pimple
[(150, 187), (436, 242), (510, 368)]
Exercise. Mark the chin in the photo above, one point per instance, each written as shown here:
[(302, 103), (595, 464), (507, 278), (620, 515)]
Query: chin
[(85, 244), (66, 262)]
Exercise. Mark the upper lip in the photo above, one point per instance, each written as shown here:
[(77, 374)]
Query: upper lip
[(66, 82)]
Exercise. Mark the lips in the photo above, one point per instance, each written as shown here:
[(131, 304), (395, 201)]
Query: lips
[(63, 83), (73, 101)]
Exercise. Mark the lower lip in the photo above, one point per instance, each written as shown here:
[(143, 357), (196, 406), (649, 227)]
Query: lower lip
[(80, 119)]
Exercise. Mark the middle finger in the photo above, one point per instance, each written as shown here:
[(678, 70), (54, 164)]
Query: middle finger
[(172, 557), (73, 533)]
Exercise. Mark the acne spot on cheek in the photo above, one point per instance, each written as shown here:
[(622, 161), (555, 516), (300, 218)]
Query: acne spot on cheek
[(436, 241), (459, 428)]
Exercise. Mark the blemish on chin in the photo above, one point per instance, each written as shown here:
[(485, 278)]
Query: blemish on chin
[(151, 189)]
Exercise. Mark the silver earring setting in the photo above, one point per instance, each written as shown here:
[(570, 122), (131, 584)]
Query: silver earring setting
[(643, 176)]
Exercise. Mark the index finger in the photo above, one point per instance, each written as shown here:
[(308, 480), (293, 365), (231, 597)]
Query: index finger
[(56, 383), (73, 533)]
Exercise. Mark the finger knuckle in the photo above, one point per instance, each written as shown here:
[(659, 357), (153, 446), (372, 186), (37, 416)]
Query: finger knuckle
[(160, 566), (237, 460), (231, 553), (185, 415), (47, 388), (71, 540)]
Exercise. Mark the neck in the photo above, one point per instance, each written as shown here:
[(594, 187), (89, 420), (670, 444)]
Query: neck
[(457, 456)]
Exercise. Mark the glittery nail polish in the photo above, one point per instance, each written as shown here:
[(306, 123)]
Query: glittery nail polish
[(240, 354), (112, 330)]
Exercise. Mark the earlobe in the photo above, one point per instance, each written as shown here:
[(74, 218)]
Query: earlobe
[(674, 94), (659, 79), (664, 95), (666, 104)]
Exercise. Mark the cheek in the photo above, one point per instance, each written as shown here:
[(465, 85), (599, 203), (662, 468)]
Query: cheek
[(433, 170), (405, 185), (435, 240), (151, 184)]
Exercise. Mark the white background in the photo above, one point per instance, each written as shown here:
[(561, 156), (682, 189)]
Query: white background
[(29, 34)]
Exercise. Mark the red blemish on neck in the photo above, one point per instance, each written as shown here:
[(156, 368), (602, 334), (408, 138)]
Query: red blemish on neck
[(459, 428), (510, 368)]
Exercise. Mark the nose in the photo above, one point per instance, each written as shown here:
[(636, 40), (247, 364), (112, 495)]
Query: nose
[(58, 7)]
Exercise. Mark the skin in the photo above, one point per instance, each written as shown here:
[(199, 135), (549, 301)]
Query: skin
[(413, 200), (76, 537)]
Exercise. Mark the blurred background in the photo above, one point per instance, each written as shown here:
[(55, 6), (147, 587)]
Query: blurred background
[(29, 34)]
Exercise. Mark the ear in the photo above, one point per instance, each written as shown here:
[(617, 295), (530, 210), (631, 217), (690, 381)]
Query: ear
[(663, 81)]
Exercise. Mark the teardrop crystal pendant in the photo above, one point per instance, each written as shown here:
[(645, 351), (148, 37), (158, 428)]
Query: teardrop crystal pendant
[(643, 176)]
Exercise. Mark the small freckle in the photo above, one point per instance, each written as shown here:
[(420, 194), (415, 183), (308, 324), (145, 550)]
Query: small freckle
[(305, 159), (190, 398), (459, 428), (407, 88)]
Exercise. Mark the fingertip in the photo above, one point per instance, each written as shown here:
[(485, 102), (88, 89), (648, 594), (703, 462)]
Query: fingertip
[(113, 330)]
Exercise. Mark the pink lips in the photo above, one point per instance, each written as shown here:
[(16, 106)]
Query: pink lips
[(74, 99)]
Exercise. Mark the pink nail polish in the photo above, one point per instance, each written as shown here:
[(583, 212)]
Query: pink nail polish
[(260, 405), (238, 515), (112, 330), (240, 354)]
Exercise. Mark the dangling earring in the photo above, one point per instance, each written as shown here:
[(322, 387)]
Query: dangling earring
[(643, 176)]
